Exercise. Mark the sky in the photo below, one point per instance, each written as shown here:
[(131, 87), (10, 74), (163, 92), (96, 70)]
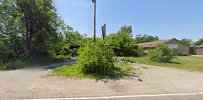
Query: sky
[(164, 18)]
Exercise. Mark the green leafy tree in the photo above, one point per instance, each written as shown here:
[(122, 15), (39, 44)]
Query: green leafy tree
[(72, 41), (11, 26), (31, 26), (145, 38), (122, 41), (74, 38), (188, 42), (199, 42)]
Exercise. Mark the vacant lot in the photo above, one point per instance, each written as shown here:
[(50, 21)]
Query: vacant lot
[(189, 63)]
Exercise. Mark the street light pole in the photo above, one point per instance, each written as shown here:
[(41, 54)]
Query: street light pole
[(94, 1)]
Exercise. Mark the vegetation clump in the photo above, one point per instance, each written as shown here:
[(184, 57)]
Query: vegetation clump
[(162, 54), (120, 70), (123, 43), (145, 38), (96, 58), (5, 52)]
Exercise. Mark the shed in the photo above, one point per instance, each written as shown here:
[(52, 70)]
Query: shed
[(198, 50)]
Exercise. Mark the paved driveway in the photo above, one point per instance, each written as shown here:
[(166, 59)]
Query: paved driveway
[(28, 84)]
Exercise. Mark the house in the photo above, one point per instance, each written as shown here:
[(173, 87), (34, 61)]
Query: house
[(198, 50), (175, 44)]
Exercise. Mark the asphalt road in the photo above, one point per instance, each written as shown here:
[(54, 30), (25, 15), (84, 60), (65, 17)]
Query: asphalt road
[(185, 96), (193, 97)]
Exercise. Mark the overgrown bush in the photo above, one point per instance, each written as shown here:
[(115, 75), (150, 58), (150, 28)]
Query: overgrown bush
[(96, 58), (15, 64), (137, 52), (122, 42), (162, 54), (11, 65)]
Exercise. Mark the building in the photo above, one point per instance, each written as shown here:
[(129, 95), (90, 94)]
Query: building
[(198, 50), (173, 44)]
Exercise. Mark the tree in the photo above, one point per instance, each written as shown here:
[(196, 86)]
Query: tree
[(199, 42), (41, 23), (73, 38), (32, 26), (187, 41), (70, 42), (11, 26), (122, 41), (145, 38)]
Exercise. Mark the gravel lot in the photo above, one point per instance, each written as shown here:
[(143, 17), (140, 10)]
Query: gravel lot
[(35, 83)]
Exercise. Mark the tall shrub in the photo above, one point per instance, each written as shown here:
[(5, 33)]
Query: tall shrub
[(122, 41), (162, 54), (96, 58)]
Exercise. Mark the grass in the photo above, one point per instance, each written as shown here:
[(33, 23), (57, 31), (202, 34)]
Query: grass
[(73, 71), (189, 63), (121, 70)]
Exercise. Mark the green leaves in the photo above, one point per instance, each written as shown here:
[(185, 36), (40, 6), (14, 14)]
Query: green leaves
[(73, 38), (162, 53), (96, 58), (30, 26), (122, 40), (199, 42), (187, 42), (5, 51), (145, 38)]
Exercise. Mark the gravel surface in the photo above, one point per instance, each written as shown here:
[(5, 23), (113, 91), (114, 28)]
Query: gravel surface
[(35, 83)]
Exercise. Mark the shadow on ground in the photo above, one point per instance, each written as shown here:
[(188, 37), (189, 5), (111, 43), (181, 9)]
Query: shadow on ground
[(173, 62), (64, 62)]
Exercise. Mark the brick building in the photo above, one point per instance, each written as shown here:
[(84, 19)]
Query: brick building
[(174, 44)]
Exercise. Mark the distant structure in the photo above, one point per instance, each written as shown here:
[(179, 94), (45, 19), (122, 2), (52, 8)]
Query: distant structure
[(197, 50), (174, 44)]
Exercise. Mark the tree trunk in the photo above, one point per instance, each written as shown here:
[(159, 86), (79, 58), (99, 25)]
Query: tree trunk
[(27, 25)]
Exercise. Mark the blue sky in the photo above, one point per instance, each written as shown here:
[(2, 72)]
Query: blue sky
[(164, 18)]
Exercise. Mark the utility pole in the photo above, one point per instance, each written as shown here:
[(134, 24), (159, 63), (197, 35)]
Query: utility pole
[(94, 1), (103, 31)]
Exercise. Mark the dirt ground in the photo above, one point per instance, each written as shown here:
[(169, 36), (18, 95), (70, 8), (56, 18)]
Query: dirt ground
[(34, 83)]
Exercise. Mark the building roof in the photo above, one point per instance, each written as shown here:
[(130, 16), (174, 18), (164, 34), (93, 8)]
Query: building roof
[(200, 46), (153, 44)]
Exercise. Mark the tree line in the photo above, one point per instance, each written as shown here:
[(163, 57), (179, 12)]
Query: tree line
[(190, 42), (31, 29)]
